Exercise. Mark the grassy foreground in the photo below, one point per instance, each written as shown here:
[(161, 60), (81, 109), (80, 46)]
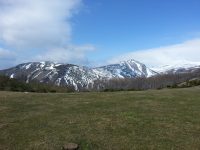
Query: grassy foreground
[(160, 119)]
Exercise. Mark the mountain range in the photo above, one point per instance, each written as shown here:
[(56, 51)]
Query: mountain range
[(183, 67), (80, 77)]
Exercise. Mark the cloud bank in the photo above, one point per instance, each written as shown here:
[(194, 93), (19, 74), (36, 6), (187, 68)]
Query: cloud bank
[(36, 23), (71, 53), (5, 54), (188, 51), (7, 58), (42, 28)]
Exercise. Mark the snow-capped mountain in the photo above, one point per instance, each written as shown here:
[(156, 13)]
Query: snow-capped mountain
[(80, 77), (183, 67), (77, 76), (126, 69)]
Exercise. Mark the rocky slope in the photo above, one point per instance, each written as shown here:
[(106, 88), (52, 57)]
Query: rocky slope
[(76, 76)]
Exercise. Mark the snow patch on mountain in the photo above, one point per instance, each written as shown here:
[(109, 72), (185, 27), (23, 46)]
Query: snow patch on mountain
[(12, 76), (186, 65)]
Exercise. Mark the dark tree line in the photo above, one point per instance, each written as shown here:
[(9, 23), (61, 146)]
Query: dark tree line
[(7, 84)]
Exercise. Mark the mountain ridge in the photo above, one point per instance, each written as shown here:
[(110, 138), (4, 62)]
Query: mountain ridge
[(74, 75), (82, 77), (182, 67)]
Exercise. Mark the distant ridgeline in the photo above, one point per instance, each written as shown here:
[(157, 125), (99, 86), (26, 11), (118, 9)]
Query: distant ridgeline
[(183, 80), (79, 77), (127, 75), (8, 84), (155, 82)]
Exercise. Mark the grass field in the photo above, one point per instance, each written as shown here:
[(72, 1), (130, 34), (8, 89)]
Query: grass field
[(154, 119)]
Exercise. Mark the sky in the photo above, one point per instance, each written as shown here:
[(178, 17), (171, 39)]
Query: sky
[(99, 32)]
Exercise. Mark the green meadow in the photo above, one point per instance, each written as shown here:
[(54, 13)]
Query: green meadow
[(145, 120)]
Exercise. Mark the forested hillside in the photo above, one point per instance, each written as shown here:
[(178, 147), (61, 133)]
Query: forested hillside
[(7, 84), (179, 80)]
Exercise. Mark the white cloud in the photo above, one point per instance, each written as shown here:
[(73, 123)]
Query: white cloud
[(168, 55), (7, 58), (36, 23), (70, 53), (42, 28), (5, 54)]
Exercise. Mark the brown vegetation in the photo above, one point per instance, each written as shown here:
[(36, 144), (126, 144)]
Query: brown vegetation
[(155, 82)]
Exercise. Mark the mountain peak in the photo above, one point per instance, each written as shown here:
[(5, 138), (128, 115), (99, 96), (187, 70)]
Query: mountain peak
[(77, 76)]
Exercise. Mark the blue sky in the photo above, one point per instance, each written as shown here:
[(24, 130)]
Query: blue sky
[(94, 32)]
